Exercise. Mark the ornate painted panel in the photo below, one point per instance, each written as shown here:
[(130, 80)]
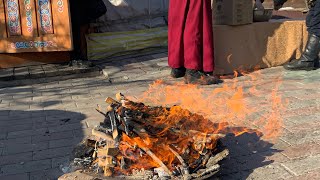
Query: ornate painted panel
[(45, 16), (13, 17), (28, 15), (35, 26), (60, 6)]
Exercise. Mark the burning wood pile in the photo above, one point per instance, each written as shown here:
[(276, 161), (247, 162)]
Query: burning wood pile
[(143, 142)]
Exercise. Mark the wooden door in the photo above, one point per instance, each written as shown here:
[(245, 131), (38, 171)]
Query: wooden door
[(34, 26)]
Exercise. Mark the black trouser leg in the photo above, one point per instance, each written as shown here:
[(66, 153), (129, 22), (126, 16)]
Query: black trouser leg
[(76, 53), (76, 25), (313, 22), (313, 19)]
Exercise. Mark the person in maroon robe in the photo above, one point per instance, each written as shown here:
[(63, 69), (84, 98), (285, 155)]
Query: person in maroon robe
[(190, 41)]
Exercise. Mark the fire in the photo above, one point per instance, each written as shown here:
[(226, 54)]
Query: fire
[(191, 131), (181, 131), (227, 103)]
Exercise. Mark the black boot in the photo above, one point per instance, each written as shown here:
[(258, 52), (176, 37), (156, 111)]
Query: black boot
[(178, 72), (200, 77), (309, 58)]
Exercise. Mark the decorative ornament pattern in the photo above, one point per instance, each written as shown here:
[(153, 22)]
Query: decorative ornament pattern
[(28, 9), (45, 16), (13, 17), (60, 6), (32, 44)]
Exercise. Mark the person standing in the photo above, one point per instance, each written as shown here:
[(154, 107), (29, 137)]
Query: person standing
[(309, 59), (82, 13), (190, 41)]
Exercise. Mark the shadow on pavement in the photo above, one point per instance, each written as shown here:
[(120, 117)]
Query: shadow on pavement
[(247, 153), (37, 144)]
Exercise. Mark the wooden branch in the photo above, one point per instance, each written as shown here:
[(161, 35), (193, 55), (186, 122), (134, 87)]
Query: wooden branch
[(218, 157), (120, 96), (102, 135), (156, 159), (179, 157), (201, 174), (99, 111), (107, 171), (109, 100), (213, 172), (185, 170), (216, 136)]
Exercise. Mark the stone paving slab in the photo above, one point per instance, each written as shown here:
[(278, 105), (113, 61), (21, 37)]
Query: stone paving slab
[(45, 73), (21, 73), (24, 176), (6, 74), (36, 72), (41, 122)]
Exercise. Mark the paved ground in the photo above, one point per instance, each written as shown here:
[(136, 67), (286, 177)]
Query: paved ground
[(42, 121), (17, 76)]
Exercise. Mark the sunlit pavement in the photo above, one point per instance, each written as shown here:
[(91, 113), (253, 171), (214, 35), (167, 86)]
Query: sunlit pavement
[(41, 122)]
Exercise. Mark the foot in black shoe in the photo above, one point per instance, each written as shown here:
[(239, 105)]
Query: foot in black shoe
[(299, 64), (201, 78), (178, 72), (310, 57)]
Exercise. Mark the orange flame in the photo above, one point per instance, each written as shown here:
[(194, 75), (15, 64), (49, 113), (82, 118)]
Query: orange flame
[(239, 102), (199, 113), (142, 160)]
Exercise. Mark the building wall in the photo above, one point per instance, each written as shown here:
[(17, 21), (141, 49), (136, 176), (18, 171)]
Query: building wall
[(289, 3)]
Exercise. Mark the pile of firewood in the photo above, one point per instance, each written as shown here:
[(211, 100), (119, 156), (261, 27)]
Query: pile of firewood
[(143, 142)]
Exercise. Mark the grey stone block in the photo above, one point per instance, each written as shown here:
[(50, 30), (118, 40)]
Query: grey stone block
[(52, 153), (67, 127), (160, 55), (64, 70), (64, 142), (20, 111), (38, 114), (21, 73), (308, 119), (37, 131), (163, 63), (46, 124), (26, 167), (36, 72), (21, 127), (16, 89), (304, 165), (14, 122), (57, 162), (52, 136), (109, 71), (50, 70), (272, 171), (82, 133), (51, 174), (4, 115), (14, 159), (23, 140), (21, 148), (24, 176), (3, 136), (6, 74)]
